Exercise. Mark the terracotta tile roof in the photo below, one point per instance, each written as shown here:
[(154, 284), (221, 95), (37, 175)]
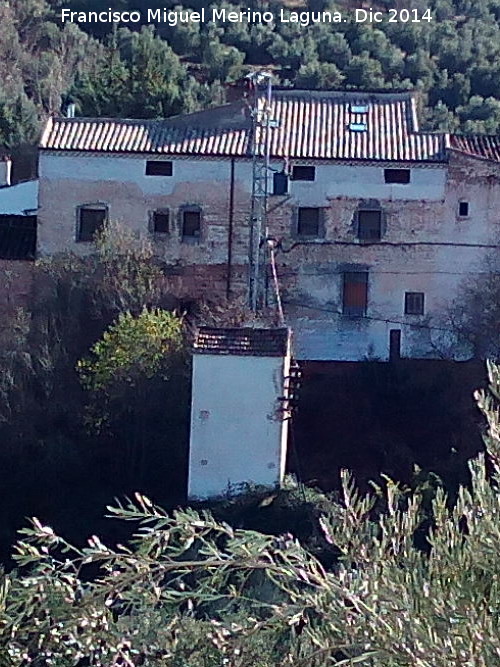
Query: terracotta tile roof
[(243, 341), (317, 125), (165, 136), (309, 125), (483, 146)]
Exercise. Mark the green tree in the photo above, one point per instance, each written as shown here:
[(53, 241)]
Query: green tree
[(74, 299), (319, 75), (191, 590), (333, 48), (443, 119), (221, 62), (103, 90), (155, 74), (474, 315), (132, 349), (364, 72), (129, 375)]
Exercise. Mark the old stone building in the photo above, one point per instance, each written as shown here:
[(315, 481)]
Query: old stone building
[(376, 224)]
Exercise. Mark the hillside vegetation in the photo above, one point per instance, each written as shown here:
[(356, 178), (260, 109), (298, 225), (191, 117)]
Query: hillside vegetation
[(159, 71), (192, 590)]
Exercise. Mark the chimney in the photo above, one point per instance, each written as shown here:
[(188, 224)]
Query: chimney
[(5, 171)]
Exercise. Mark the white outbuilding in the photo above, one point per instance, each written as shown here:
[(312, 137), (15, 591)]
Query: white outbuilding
[(239, 410)]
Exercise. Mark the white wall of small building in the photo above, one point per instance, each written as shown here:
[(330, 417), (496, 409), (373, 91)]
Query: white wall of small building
[(238, 435), (19, 199)]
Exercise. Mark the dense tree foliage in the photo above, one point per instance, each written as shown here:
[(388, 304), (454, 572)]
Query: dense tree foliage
[(130, 377), (155, 71), (474, 316), (49, 419), (189, 589)]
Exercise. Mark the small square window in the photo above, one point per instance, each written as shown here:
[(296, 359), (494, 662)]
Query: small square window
[(308, 222), (355, 294), (160, 222), (191, 225), (303, 173), (463, 209), (91, 219), (280, 183), (397, 176), (369, 225), (414, 303), (159, 168)]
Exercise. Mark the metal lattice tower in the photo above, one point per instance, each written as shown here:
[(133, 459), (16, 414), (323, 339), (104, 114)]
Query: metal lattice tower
[(260, 106)]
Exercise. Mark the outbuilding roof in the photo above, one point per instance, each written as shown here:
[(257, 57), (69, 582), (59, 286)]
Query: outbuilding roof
[(242, 341), (334, 125)]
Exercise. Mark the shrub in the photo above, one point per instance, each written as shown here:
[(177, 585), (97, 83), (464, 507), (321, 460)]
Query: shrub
[(189, 590)]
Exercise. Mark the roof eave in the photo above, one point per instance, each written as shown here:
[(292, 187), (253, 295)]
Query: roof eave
[(474, 156)]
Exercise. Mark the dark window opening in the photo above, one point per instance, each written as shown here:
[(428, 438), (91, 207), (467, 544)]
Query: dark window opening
[(280, 183), (160, 222), (191, 225), (91, 219), (308, 222), (355, 296), (397, 176), (394, 344), (369, 225), (17, 236), (302, 173), (463, 209), (158, 168), (414, 303)]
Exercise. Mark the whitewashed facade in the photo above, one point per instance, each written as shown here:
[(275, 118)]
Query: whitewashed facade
[(238, 416), (362, 260)]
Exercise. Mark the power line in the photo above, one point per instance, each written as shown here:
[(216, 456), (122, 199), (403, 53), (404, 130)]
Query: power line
[(390, 244), (320, 272), (369, 317)]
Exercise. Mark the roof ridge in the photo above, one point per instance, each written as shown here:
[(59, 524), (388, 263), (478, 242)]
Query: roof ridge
[(309, 125), (475, 135)]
